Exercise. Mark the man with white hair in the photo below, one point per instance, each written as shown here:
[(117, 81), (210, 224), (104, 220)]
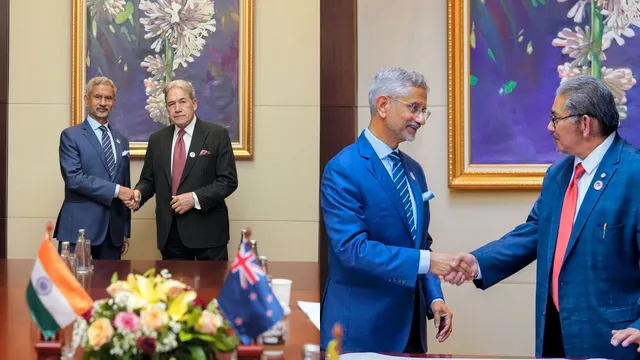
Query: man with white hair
[(94, 162), (190, 168), (382, 282)]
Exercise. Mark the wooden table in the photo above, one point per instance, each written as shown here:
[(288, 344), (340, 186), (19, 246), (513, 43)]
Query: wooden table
[(18, 333)]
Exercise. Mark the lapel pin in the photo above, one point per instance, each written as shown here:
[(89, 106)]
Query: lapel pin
[(603, 175), (118, 141), (192, 154), (597, 185), (412, 176)]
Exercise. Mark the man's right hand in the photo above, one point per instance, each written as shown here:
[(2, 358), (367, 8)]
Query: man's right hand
[(125, 194), (444, 265), (458, 277), (133, 203)]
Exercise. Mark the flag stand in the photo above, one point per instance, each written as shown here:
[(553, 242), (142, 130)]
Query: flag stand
[(48, 349)]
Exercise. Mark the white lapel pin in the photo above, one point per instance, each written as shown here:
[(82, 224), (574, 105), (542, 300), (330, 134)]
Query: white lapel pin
[(597, 185), (118, 141), (412, 176), (603, 175), (192, 154)]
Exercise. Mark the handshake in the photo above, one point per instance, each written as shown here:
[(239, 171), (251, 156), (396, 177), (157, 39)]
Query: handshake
[(130, 197), (454, 269)]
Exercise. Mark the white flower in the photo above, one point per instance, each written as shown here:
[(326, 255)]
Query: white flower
[(165, 273), (577, 12), (156, 65), (620, 15), (567, 70), (155, 101), (106, 10), (576, 45), (619, 81), (184, 23)]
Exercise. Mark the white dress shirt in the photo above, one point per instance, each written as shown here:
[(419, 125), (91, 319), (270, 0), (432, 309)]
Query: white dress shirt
[(187, 143)]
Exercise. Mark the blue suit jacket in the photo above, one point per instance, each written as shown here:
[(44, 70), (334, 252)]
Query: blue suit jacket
[(88, 193), (599, 286), (373, 261)]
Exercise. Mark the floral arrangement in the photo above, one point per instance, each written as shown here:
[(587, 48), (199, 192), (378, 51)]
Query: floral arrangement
[(152, 316)]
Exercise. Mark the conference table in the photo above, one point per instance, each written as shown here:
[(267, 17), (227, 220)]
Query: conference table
[(18, 333)]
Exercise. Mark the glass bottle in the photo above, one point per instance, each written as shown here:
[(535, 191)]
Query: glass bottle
[(83, 253)]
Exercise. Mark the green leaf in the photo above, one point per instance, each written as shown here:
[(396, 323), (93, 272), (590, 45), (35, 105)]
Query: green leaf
[(114, 277), (508, 87), (227, 343), (149, 272), (534, 3), (473, 79), (94, 28), (197, 353), (131, 20), (124, 15), (185, 336), (126, 67), (204, 337), (529, 48), (112, 29), (490, 52)]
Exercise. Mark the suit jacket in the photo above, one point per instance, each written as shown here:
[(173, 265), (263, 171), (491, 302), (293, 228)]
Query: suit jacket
[(88, 189), (211, 176), (373, 260), (599, 282)]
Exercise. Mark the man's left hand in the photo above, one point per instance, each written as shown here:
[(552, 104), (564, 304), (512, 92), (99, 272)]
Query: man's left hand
[(125, 246), (442, 319), (182, 203), (625, 337)]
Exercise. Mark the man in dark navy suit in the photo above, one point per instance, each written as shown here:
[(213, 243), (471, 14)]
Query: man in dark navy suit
[(94, 161)]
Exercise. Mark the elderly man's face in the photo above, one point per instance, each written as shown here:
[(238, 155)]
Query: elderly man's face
[(567, 133), (406, 114), (180, 107), (100, 102)]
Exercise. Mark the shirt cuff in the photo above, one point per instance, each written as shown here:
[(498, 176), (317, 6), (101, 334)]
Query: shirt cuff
[(425, 262), (195, 200), (434, 300), (479, 274), (117, 191)]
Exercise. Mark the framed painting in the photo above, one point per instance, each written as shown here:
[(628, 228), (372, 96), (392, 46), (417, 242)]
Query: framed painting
[(143, 44), (505, 61)]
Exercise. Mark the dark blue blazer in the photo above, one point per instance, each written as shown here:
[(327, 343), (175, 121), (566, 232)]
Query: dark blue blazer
[(373, 261), (599, 286), (88, 189)]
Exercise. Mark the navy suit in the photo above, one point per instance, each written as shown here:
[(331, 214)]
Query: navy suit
[(373, 260), (599, 282), (89, 190)]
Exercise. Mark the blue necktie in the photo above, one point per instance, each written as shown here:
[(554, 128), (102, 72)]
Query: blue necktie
[(399, 178), (107, 149)]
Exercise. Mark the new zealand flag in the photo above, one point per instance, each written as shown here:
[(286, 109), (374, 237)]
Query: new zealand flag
[(246, 299)]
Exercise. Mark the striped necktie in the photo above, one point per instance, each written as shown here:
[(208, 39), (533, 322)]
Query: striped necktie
[(399, 178), (107, 149)]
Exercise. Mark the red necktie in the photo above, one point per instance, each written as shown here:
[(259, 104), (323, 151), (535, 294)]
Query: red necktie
[(179, 158), (564, 230)]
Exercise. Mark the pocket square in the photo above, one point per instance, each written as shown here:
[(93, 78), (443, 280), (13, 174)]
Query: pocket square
[(428, 195), (125, 153), (204, 152)]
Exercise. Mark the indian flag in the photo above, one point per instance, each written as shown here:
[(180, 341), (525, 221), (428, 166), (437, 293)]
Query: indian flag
[(54, 296)]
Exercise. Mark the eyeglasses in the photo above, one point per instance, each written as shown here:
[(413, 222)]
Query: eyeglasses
[(554, 119), (415, 108)]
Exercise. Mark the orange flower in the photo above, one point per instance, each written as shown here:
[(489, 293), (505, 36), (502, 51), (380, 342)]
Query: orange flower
[(99, 333)]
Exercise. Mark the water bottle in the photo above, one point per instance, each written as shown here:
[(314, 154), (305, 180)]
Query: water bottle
[(243, 238), (264, 262), (83, 253), (65, 254)]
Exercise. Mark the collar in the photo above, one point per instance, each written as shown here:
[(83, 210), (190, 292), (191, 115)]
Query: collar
[(95, 124), (382, 150), (591, 162), (189, 128)]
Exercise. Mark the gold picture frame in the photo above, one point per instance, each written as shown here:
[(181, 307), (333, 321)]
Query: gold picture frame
[(243, 147), (461, 174)]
